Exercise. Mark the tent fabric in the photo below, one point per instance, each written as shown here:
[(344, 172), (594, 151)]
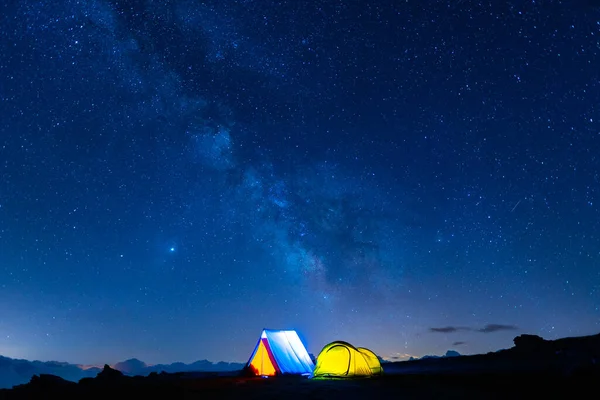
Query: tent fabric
[(280, 352), (342, 360), (372, 360)]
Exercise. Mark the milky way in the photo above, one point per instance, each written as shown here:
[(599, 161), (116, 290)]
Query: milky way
[(409, 177)]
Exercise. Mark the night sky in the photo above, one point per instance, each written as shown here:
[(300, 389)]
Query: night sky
[(409, 176)]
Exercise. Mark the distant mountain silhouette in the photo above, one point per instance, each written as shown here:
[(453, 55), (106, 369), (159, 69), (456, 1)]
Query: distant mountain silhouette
[(449, 353), (131, 366), (135, 367), (16, 372)]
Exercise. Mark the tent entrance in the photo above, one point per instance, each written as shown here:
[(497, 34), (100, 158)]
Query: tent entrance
[(263, 362)]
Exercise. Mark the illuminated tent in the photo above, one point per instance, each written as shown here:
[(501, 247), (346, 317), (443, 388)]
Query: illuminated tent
[(279, 352), (342, 360), (372, 360)]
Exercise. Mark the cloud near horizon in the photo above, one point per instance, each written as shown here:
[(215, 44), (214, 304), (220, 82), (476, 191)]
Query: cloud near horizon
[(450, 329), (399, 357), (489, 328)]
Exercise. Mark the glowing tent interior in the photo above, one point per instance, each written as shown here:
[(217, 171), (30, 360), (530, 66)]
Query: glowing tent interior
[(279, 352), (342, 360)]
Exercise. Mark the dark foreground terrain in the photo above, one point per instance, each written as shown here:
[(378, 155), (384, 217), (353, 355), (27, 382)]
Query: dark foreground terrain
[(534, 368), (445, 386)]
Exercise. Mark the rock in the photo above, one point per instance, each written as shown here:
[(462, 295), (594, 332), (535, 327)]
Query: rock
[(529, 343), (109, 374)]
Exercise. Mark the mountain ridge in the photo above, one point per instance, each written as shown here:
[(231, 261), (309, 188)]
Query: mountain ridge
[(449, 353), (14, 371)]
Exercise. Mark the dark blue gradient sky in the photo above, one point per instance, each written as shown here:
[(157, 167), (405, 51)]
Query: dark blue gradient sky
[(407, 176)]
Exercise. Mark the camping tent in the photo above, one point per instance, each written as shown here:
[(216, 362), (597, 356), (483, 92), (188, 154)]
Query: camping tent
[(279, 352), (372, 360), (342, 360)]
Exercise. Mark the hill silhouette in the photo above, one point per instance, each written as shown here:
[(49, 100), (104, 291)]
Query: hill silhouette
[(136, 367), (449, 353), (530, 354), (16, 371)]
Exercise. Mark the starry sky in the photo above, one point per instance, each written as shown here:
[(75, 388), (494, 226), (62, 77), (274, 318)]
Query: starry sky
[(409, 176)]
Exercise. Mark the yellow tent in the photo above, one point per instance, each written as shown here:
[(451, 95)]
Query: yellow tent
[(342, 360), (372, 360)]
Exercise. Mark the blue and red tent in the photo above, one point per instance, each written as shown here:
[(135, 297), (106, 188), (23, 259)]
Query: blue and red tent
[(280, 352)]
